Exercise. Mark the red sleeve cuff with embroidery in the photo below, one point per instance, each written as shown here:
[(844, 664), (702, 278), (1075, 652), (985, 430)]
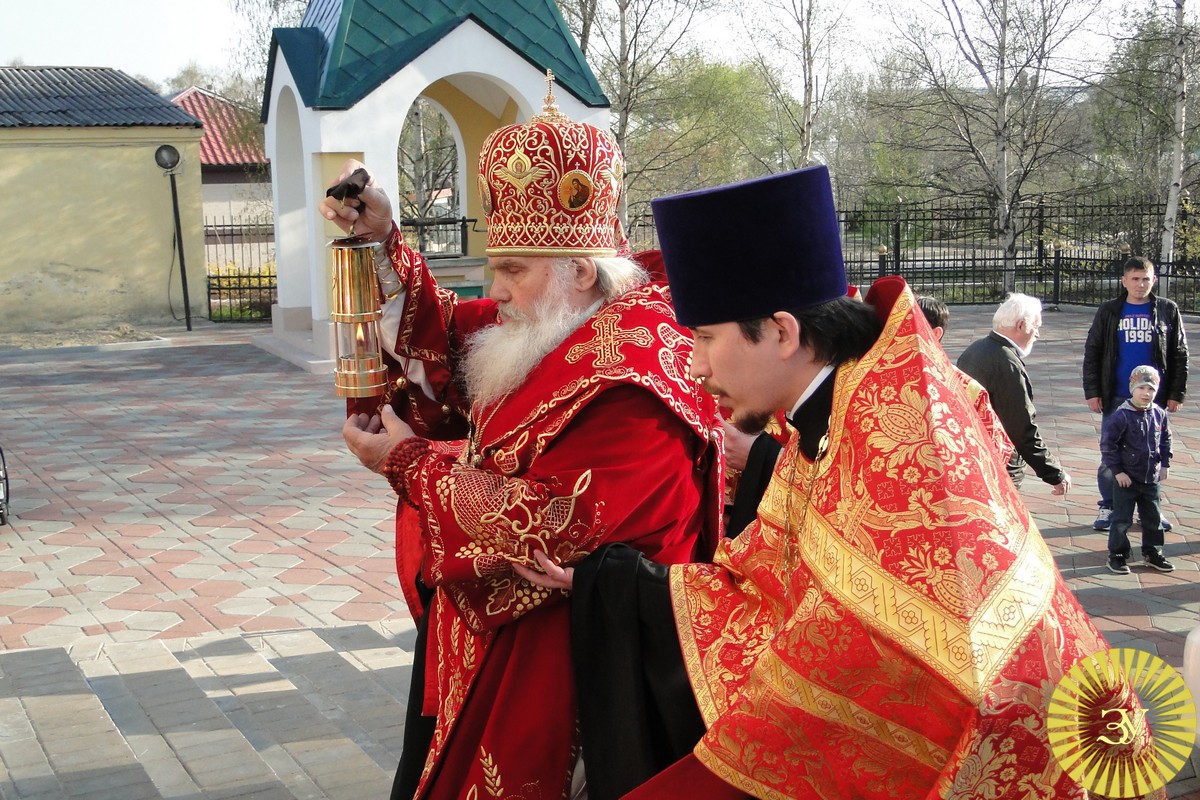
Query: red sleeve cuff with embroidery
[(401, 465), (400, 254)]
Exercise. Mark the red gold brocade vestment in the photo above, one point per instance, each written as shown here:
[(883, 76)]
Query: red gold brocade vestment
[(893, 624)]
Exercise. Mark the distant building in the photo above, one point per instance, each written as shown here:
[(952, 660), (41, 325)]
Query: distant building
[(234, 171), (86, 216)]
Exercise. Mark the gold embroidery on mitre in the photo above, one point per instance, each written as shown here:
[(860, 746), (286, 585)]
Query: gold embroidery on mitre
[(555, 185), (615, 176), (520, 172)]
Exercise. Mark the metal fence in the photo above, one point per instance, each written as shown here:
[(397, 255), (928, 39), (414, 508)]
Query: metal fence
[(437, 237), (1066, 252), (240, 261)]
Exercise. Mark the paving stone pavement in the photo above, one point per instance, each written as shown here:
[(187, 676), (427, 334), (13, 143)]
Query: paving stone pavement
[(197, 596)]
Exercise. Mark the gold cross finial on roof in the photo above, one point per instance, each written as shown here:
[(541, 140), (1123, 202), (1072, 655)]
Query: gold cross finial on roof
[(549, 106), (550, 112)]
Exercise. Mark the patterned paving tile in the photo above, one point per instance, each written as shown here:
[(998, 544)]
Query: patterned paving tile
[(170, 484), (200, 473), (179, 491)]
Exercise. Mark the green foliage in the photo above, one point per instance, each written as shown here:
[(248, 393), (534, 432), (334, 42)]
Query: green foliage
[(249, 64), (241, 295), (229, 269), (704, 123), (1132, 106)]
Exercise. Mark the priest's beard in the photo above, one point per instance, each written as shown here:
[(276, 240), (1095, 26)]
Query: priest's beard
[(500, 357), (747, 420), (753, 422)]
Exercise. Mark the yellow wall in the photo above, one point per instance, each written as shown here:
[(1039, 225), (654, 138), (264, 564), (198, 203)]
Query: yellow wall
[(474, 124), (88, 228), (328, 169)]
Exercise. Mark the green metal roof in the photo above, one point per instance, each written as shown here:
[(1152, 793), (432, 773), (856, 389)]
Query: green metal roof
[(344, 49)]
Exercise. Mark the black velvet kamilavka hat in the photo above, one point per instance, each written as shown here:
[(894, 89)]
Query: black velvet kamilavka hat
[(749, 249)]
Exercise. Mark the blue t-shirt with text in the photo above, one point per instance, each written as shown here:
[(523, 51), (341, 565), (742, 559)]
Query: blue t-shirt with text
[(1135, 334)]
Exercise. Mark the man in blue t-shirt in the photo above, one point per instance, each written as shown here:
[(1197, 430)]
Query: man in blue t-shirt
[(1136, 327)]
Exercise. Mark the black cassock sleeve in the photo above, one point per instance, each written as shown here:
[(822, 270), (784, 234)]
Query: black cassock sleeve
[(760, 464), (637, 713)]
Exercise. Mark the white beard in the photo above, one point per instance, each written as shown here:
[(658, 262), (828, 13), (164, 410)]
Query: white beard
[(500, 357)]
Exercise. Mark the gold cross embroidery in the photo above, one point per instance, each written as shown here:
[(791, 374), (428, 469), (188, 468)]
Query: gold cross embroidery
[(608, 341)]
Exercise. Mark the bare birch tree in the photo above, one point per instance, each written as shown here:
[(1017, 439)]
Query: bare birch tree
[(1145, 117), (580, 16), (795, 45), (428, 169), (259, 18), (1178, 134), (996, 90), (631, 44)]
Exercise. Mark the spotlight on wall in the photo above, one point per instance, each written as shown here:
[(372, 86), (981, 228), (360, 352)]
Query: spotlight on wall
[(166, 156)]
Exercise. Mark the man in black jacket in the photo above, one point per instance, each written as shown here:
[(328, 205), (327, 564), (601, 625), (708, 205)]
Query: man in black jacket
[(1136, 327), (997, 362)]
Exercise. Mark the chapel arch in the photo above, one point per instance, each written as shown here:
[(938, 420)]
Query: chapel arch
[(291, 216)]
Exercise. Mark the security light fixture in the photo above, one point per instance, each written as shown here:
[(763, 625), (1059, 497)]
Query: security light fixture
[(167, 157)]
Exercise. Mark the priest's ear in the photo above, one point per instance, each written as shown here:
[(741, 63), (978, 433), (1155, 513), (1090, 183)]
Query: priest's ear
[(785, 329), (585, 273)]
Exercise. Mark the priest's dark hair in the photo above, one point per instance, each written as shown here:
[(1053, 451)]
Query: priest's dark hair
[(936, 312), (836, 331)]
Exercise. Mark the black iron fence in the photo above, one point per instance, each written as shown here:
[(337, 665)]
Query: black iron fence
[(240, 261), (437, 237), (1064, 253)]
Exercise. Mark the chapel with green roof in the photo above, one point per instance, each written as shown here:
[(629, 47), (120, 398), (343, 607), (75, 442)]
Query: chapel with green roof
[(340, 85)]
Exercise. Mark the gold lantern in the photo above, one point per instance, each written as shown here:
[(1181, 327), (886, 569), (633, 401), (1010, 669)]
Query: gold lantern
[(360, 371)]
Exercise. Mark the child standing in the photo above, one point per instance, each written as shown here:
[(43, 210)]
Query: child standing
[(1136, 445)]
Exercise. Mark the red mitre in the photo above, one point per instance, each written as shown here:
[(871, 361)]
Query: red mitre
[(550, 187)]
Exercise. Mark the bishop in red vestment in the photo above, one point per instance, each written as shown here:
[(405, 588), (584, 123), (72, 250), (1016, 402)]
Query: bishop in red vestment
[(599, 436)]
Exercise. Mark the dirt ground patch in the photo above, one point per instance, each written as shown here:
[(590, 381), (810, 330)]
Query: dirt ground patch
[(41, 340)]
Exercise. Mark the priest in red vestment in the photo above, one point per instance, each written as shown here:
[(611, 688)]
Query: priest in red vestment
[(582, 427), (892, 624)]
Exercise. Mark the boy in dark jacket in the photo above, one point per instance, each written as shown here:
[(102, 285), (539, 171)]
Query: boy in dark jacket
[(1136, 445)]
